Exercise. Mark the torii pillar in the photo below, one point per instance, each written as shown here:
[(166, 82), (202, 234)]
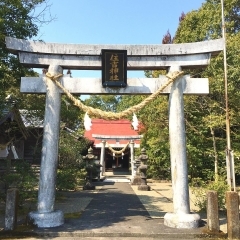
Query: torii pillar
[(181, 218), (132, 158), (102, 159), (46, 215)]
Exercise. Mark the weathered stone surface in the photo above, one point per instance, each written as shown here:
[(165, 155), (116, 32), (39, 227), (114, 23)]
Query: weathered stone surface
[(136, 180), (47, 183), (134, 85), (102, 159), (11, 209), (95, 62), (144, 187), (131, 145), (232, 205), (89, 186), (46, 220), (178, 148), (181, 220), (89, 159), (211, 46), (212, 212), (142, 170)]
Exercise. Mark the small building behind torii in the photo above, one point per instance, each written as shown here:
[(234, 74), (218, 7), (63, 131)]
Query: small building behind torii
[(107, 135)]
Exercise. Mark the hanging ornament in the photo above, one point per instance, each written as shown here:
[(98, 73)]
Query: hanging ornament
[(87, 122), (135, 122)]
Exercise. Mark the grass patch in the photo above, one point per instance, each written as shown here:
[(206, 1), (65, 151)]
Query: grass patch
[(73, 215)]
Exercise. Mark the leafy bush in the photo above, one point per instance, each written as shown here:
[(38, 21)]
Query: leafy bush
[(200, 188), (70, 178), (22, 177), (71, 171)]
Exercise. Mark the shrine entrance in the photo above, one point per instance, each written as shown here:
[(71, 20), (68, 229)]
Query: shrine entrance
[(116, 136), (117, 162), (171, 57)]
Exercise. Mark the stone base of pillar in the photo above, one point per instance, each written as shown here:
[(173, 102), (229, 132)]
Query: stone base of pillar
[(46, 220), (144, 188), (89, 186), (136, 181), (174, 220)]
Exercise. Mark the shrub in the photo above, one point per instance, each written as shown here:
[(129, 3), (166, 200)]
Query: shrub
[(70, 178), (71, 171), (23, 178), (200, 188)]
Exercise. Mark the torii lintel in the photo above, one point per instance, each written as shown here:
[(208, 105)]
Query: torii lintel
[(140, 57)]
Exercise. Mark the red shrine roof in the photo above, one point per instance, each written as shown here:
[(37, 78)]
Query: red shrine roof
[(114, 128)]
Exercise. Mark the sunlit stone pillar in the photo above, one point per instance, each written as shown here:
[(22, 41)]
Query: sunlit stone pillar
[(46, 215), (102, 162), (132, 158), (181, 218)]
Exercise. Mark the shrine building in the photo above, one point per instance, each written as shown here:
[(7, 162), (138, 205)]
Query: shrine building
[(115, 135)]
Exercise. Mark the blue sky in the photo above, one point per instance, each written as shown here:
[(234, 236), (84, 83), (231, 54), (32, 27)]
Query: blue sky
[(114, 21)]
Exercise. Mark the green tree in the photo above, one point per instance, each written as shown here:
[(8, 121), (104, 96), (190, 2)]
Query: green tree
[(20, 19), (205, 115), (71, 167), (154, 127), (104, 102)]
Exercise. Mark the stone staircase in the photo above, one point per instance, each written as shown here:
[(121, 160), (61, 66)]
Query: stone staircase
[(117, 178)]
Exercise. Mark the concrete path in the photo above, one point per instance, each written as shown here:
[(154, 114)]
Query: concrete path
[(158, 202), (117, 210)]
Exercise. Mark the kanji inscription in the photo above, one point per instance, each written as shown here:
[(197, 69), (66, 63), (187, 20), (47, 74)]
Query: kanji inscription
[(114, 68)]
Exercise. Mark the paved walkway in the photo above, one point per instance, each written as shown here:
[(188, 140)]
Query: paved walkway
[(158, 201), (117, 210)]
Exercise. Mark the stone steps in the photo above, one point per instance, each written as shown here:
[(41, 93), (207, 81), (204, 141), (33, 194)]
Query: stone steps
[(118, 178)]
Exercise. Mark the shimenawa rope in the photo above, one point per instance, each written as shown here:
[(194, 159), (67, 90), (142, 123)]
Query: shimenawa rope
[(111, 115), (115, 151)]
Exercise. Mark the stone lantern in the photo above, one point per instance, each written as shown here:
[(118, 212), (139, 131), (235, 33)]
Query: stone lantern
[(90, 159), (98, 168), (136, 179), (143, 170)]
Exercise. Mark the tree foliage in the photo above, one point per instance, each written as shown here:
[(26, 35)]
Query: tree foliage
[(205, 115), (22, 19), (104, 102), (17, 19)]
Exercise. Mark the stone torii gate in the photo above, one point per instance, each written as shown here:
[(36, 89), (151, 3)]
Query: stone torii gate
[(56, 57)]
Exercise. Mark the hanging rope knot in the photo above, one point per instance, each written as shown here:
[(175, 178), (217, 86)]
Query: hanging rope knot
[(53, 77), (115, 151)]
